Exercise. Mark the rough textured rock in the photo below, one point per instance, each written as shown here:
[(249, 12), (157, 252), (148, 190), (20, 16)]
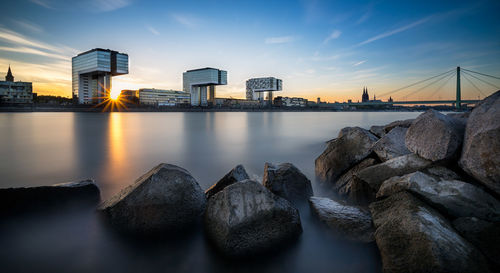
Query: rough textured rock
[(435, 136), (33, 199), (480, 154), (441, 173), (482, 234), (245, 218), (454, 198), (237, 174), (344, 184), (287, 181), (350, 222), (398, 123), (351, 146), (392, 144), (377, 130), (412, 237), (376, 174), (165, 198)]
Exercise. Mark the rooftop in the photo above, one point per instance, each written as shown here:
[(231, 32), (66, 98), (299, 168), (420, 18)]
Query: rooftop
[(100, 49), (202, 69)]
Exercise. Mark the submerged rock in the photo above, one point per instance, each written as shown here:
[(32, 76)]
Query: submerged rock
[(351, 146), (413, 237), (33, 199), (480, 154), (454, 198), (165, 198), (350, 222), (398, 123), (237, 174), (287, 181), (245, 218), (392, 144), (435, 136)]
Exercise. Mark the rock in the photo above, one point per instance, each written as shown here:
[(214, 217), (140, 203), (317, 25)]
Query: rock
[(343, 185), (35, 199), (245, 218), (392, 144), (237, 174), (287, 181), (480, 154), (441, 173), (413, 237), (377, 130), (454, 198), (165, 198), (350, 222), (398, 123), (352, 145), (435, 136), (482, 234), (461, 116), (376, 174)]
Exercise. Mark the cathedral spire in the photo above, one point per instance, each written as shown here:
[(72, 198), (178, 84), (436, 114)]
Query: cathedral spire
[(9, 77)]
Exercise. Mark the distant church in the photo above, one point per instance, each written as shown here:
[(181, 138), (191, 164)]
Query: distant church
[(15, 92), (366, 98)]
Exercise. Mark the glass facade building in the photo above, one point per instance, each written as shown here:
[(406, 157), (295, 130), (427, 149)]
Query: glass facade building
[(159, 97), (200, 84), (92, 72)]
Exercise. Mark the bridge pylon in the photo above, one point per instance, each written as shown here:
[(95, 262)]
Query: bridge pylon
[(459, 95)]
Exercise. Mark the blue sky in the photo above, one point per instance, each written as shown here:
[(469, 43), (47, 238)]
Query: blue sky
[(329, 49)]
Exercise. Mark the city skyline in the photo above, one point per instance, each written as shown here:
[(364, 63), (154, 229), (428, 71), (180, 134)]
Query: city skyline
[(318, 48)]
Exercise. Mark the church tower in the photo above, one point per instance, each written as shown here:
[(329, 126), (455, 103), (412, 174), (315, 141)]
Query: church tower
[(9, 76)]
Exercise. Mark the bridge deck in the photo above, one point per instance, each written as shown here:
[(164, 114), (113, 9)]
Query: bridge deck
[(411, 102)]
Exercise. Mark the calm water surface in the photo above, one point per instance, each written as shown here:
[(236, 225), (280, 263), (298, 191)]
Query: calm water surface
[(116, 148)]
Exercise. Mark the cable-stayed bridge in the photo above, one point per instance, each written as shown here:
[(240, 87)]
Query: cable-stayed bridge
[(436, 84)]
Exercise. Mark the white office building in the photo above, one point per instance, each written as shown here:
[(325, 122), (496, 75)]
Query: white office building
[(257, 87), (159, 97), (92, 71), (200, 83)]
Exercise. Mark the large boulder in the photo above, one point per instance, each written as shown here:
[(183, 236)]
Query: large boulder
[(349, 222), (392, 144), (454, 198), (377, 130), (55, 197), (441, 173), (351, 146), (343, 186), (245, 218), (238, 173), (398, 123), (412, 237), (165, 198), (287, 181), (435, 136), (376, 174), (482, 234), (480, 154)]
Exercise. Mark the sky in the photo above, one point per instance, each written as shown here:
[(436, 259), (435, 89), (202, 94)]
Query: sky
[(327, 49)]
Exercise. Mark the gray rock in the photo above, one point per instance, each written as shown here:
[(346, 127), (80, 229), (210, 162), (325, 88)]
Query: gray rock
[(435, 136), (398, 123), (245, 218), (33, 199), (287, 181), (350, 222), (343, 185), (480, 154), (482, 234), (165, 198), (441, 173), (352, 145), (454, 198), (392, 144), (237, 174), (377, 130), (376, 174), (412, 237)]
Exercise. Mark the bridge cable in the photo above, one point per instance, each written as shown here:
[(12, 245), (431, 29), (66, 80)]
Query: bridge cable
[(481, 80), (420, 89), (467, 78), (481, 74), (443, 84), (413, 84)]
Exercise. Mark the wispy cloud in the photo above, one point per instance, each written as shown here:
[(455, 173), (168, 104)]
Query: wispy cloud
[(18, 39), (33, 51), (109, 5), (395, 31), (364, 17), (153, 30), (43, 3), (334, 35), (28, 25), (280, 40), (185, 20), (359, 63)]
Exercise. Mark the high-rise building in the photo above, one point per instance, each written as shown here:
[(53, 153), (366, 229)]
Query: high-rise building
[(198, 82), (257, 86), (92, 72), (159, 97), (15, 92)]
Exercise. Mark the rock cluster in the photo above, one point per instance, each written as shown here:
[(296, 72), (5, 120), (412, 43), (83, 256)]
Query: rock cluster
[(432, 186)]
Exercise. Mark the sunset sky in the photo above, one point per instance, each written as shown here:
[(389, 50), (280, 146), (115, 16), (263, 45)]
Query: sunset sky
[(329, 49)]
